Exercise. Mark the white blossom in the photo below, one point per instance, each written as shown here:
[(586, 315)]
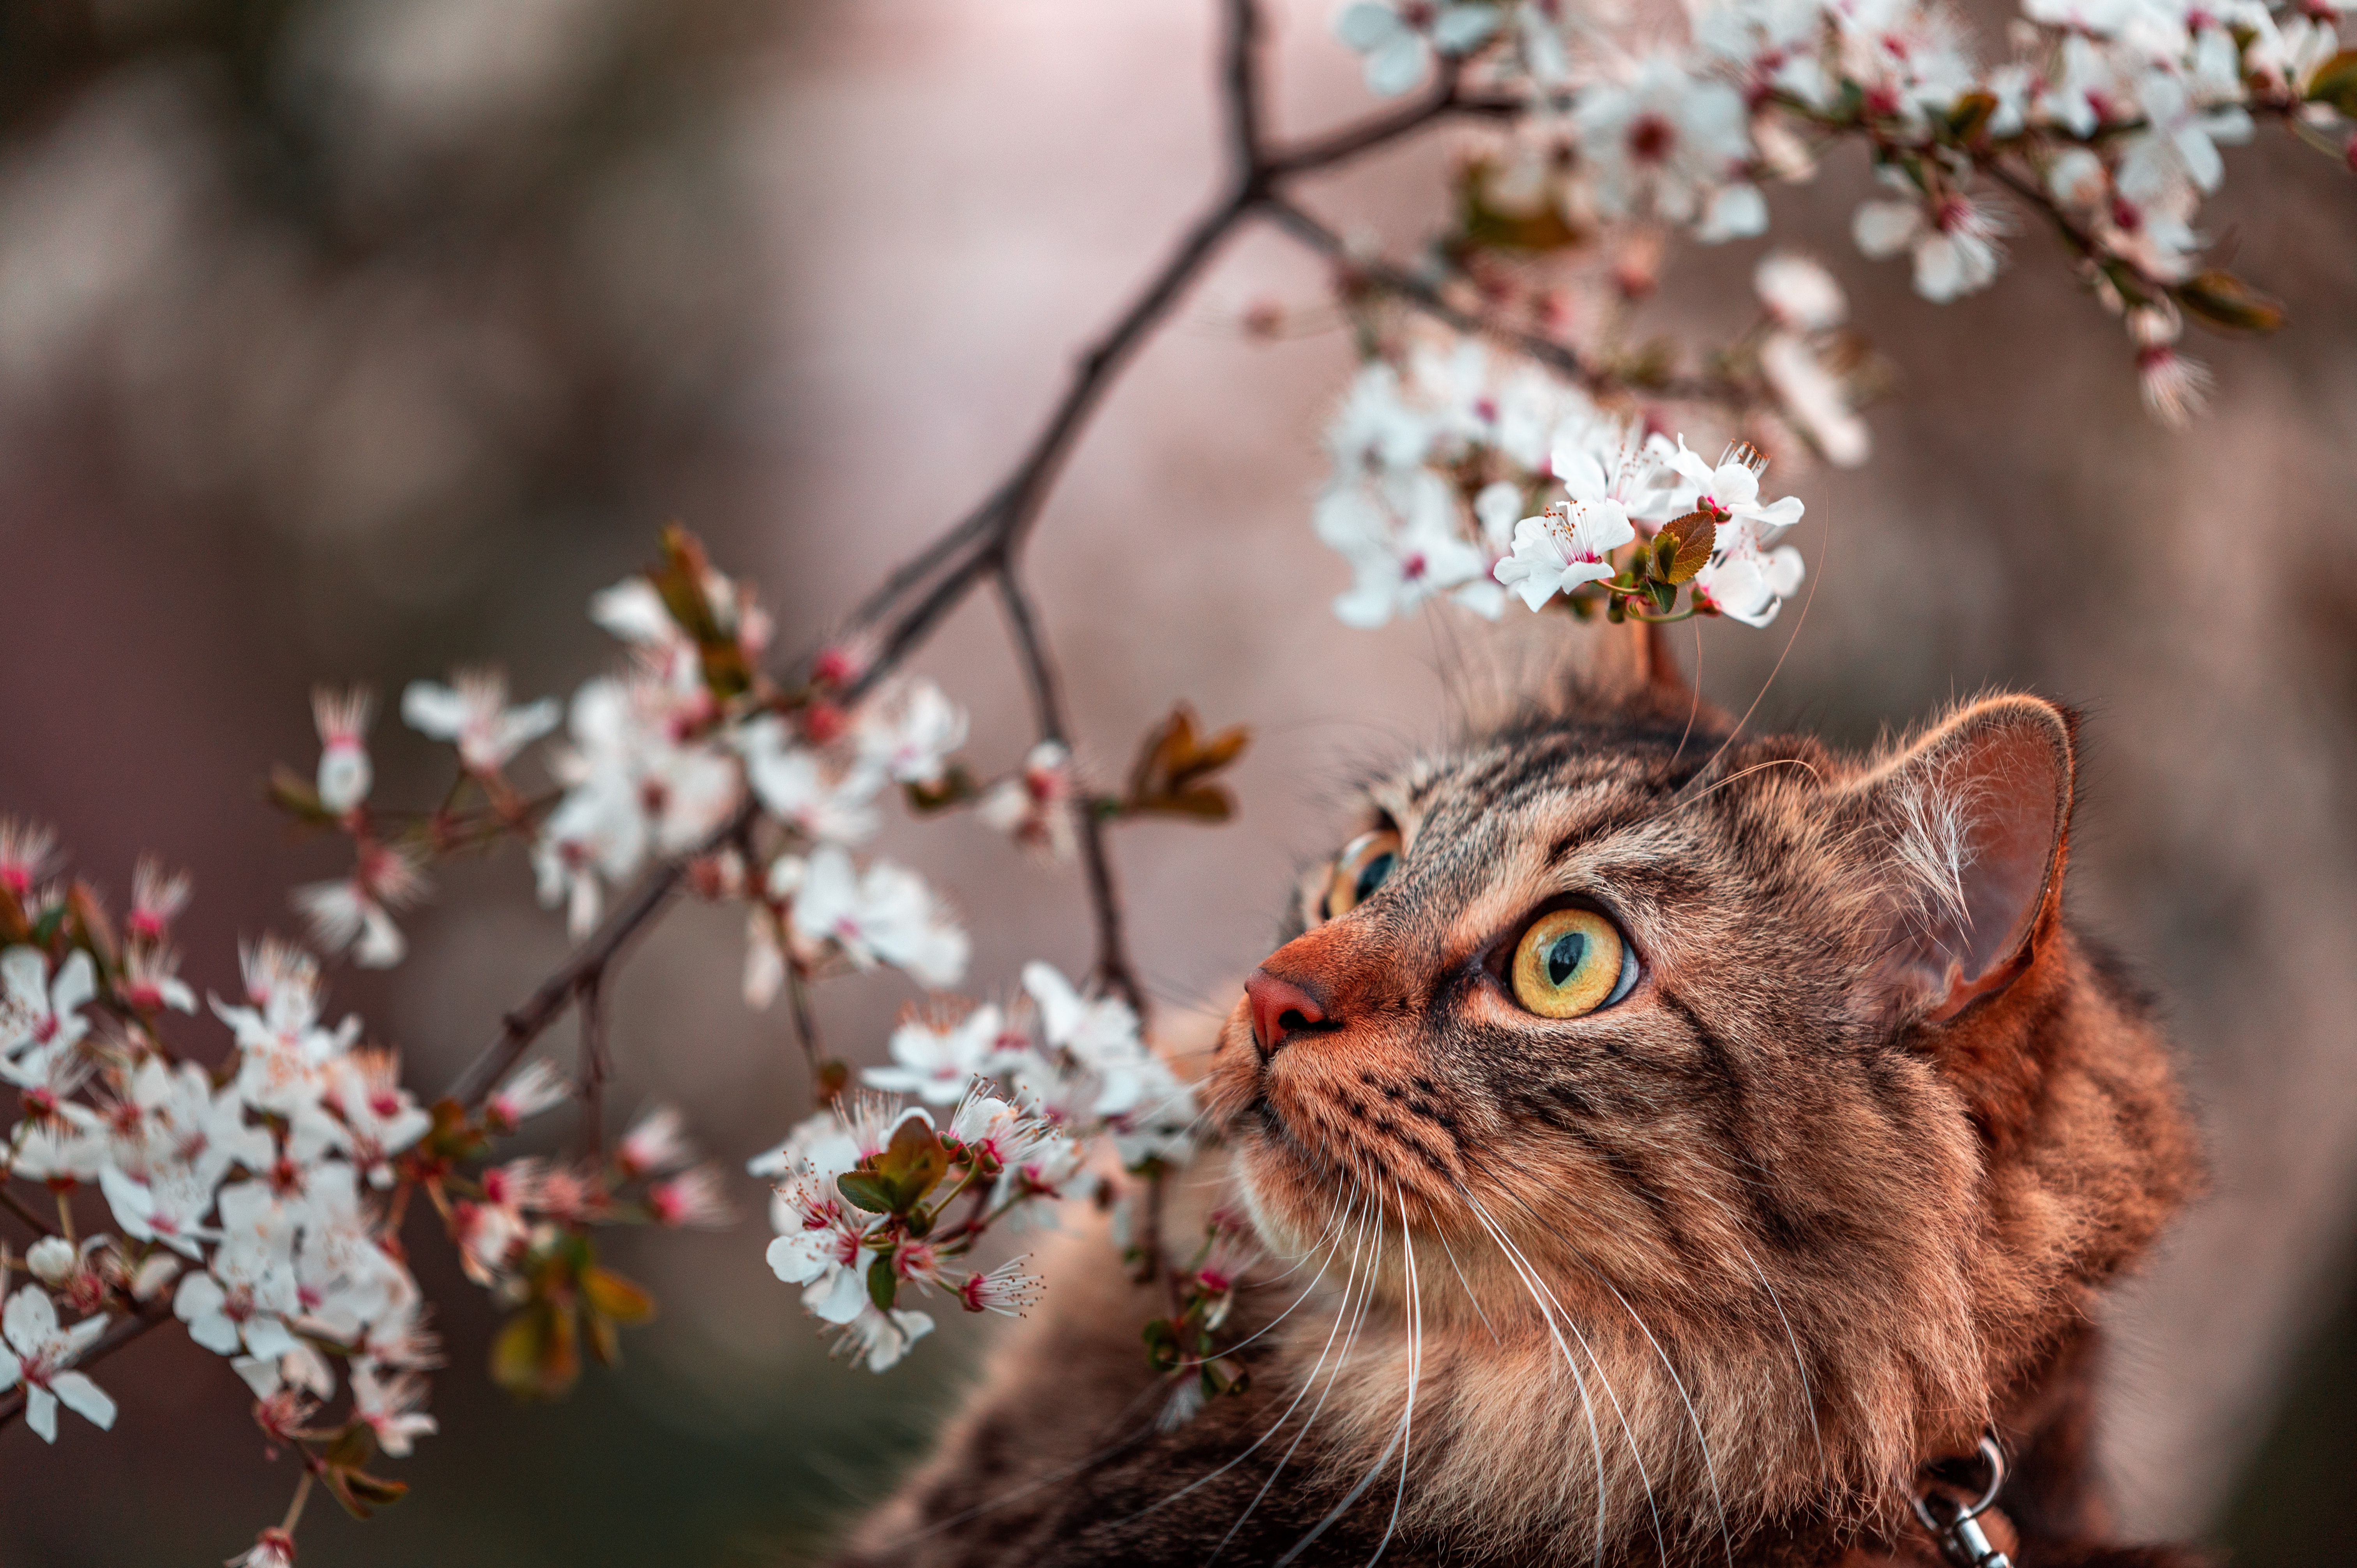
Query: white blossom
[(40, 1015), (342, 720), (1402, 557), (1400, 38), (1799, 292), (1569, 544), (936, 1060), (248, 1289), (38, 1354), (1953, 243), (472, 713), (1815, 398), (391, 1406), (1035, 806), (1663, 142), (909, 732), (884, 915), (881, 1338)]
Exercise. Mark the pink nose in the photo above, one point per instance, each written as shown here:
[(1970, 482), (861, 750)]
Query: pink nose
[(1279, 1007)]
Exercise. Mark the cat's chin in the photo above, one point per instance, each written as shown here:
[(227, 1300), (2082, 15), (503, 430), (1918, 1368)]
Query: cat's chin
[(1270, 1185)]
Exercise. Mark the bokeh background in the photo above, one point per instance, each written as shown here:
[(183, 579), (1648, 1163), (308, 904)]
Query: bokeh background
[(351, 338)]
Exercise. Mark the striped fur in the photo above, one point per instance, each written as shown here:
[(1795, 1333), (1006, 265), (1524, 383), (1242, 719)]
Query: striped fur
[(1706, 1276)]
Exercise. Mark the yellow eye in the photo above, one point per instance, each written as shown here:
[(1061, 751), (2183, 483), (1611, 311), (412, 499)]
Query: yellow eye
[(1572, 962), (1360, 869)]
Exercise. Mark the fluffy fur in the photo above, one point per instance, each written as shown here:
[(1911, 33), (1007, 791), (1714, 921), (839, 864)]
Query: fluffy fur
[(1708, 1275)]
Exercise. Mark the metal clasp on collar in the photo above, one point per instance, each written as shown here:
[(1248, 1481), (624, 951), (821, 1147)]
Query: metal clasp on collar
[(1956, 1529)]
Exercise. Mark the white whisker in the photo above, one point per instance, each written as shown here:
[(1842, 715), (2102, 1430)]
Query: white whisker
[(1366, 1295), (1415, 1371), (1635, 1452), (1586, 1405)]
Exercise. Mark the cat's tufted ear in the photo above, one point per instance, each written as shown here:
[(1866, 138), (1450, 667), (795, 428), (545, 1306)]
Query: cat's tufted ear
[(1969, 827)]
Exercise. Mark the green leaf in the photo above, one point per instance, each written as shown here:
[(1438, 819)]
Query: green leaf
[(2223, 300), (1971, 115), (362, 1494), (297, 797), (2335, 82), (1161, 1343), (354, 1447), (883, 1284), (516, 1352), (1692, 537), (605, 1340), (867, 1190), (1664, 594), (956, 785), (1536, 227)]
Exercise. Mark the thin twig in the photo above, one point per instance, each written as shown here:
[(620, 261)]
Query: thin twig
[(1114, 971), (798, 1004), (592, 991), (18, 1206), (1240, 84), (1561, 358), (1340, 145)]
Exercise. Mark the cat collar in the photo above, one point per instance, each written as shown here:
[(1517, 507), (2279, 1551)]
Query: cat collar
[(1955, 1526)]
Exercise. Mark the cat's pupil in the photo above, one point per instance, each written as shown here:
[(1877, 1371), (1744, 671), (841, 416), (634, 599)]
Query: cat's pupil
[(1564, 957), (1373, 876)]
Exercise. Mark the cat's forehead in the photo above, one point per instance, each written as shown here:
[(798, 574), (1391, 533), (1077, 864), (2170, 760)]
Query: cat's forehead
[(1575, 779)]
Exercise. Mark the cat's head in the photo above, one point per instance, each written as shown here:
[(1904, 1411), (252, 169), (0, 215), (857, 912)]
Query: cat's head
[(1774, 1066)]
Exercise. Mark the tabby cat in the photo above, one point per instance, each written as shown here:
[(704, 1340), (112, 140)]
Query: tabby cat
[(1669, 1148)]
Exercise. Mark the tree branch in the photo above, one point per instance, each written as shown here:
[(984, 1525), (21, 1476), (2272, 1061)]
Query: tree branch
[(1114, 971), (805, 1030), (592, 993), (18, 1206), (1241, 84), (520, 1028)]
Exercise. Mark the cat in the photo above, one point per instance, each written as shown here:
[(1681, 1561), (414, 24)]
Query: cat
[(1763, 1131)]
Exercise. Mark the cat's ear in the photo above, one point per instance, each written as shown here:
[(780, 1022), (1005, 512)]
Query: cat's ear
[(1969, 829)]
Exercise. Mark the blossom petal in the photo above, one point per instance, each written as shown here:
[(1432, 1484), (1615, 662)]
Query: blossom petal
[(1398, 65), (1884, 229), (74, 986), (433, 710), (30, 1321), (85, 1399), (837, 1298), (1462, 27)]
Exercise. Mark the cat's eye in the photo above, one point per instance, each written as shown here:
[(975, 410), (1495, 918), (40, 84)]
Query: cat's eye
[(1360, 869), (1570, 962)]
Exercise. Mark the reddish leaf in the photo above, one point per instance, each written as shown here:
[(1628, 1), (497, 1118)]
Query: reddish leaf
[(1692, 538), (2222, 299), (625, 1301)]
